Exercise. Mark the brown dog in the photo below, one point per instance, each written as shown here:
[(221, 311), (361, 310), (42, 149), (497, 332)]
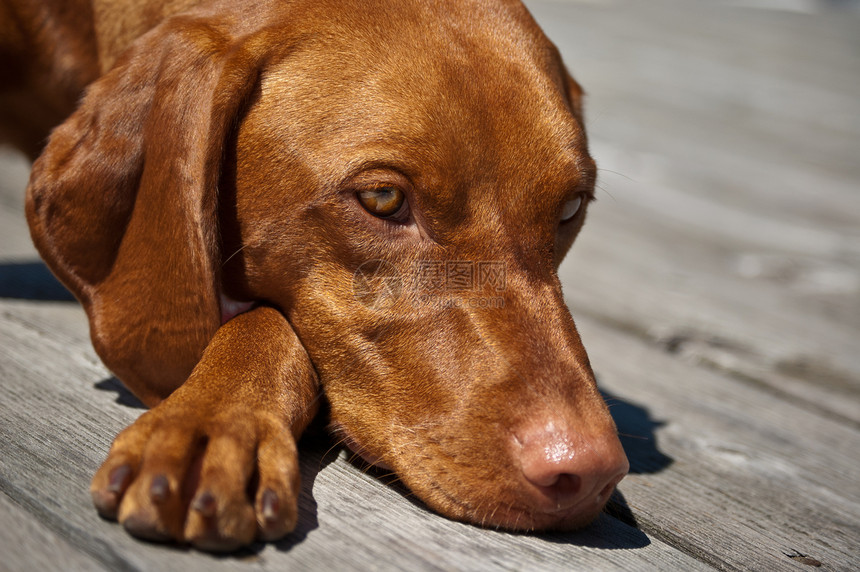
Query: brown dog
[(388, 185)]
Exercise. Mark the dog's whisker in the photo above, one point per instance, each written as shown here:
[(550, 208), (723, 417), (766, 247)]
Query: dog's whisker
[(606, 191), (620, 174), (238, 250)]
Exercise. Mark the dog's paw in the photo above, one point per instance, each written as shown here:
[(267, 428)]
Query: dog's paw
[(218, 480)]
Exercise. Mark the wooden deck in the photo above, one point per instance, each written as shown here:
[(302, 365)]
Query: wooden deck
[(716, 286)]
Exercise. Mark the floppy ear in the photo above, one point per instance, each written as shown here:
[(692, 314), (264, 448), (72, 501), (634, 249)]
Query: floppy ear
[(122, 203), (575, 95)]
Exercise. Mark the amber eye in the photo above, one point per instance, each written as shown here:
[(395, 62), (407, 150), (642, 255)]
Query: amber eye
[(570, 208), (384, 202)]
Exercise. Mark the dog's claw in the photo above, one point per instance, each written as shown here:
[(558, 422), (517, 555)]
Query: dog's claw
[(159, 490), (205, 504), (108, 491), (271, 506), (119, 479)]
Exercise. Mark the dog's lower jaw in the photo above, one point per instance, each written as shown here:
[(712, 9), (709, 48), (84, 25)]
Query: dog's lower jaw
[(516, 511), (357, 449)]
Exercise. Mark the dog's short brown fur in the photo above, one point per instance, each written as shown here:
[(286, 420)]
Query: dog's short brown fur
[(219, 153)]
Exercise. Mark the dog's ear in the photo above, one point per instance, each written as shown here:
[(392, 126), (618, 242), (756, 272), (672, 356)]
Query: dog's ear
[(575, 94), (122, 203)]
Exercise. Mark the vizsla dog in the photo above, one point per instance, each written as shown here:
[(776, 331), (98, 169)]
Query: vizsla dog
[(267, 202)]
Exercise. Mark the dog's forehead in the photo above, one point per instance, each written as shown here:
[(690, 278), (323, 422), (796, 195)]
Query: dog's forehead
[(455, 100)]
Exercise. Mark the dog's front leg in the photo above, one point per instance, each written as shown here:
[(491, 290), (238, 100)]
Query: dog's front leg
[(215, 464)]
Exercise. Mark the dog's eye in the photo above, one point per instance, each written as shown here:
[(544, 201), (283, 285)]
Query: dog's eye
[(383, 202), (570, 208)]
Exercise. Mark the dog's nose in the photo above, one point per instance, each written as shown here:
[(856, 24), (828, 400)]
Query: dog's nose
[(568, 471)]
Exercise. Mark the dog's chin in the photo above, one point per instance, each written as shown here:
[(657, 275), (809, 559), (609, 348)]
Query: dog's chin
[(369, 459), (358, 450), (496, 514), (566, 520)]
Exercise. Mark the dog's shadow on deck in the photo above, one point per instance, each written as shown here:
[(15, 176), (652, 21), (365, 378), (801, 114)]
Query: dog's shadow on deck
[(31, 281), (313, 459), (637, 431), (123, 396)]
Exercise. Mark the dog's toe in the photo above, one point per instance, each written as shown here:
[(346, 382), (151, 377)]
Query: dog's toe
[(277, 494), (109, 485), (226, 512), (153, 509), (143, 482), (155, 504), (220, 517), (112, 480), (219, 525), (146, 525)]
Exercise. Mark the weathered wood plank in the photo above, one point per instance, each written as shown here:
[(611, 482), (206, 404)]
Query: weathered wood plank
[(14, 236), (753, 477), (25, 545), (679, 291), (14, 173)]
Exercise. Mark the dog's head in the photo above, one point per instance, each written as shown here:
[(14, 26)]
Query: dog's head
[(402, 182)]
